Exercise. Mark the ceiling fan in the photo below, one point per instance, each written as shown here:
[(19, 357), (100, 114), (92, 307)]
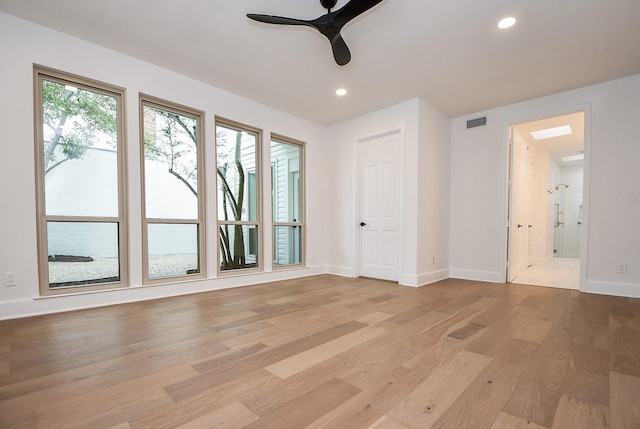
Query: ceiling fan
[(329, 25)]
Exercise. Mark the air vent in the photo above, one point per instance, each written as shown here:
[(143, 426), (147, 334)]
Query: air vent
[(478, 122)]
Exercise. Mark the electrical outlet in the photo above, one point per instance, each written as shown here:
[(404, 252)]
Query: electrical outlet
[(10, 279), (432, 260), (622, 267)]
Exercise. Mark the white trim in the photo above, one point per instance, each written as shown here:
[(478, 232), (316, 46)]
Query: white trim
[(626, 290), (101, 298), (480, 276), (341, 271), (400, 130), (424, 278)]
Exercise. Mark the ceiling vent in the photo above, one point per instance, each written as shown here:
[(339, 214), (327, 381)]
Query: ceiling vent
[(478, 122)]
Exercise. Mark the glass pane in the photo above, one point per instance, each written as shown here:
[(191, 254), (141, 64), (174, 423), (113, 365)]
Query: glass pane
[(82, 253), (287, 245), (80, 151), (236, 161), (173, 250), (170, 165), (285, 161), (238, 247)]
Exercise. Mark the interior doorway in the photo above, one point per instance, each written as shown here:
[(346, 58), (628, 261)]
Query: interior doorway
[(546, 181), (380, 175)]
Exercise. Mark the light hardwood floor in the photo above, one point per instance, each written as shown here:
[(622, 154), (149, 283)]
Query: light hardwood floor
[(330, 352)]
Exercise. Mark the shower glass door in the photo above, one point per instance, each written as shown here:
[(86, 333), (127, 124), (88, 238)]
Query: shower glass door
[(568, 217)]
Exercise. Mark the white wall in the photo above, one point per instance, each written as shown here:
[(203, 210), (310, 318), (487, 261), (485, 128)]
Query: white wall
[(434, 190), (342, 197), (425, 190), (35, 44), (612, 191)]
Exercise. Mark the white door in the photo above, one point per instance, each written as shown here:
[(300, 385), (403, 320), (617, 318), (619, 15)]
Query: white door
[(380, 190), (531, 212), (519, 210)]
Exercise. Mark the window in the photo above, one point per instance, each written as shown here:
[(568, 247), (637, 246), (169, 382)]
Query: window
[(173, 209), (287, 164), (239, 210), (80, 183)]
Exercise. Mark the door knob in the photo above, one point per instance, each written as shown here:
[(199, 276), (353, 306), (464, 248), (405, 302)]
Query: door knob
[(519, 226), (362, 223)]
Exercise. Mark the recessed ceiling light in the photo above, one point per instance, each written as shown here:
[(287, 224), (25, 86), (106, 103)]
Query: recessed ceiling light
[(572, 158), (341, 92), (552, 132), (507, 22)]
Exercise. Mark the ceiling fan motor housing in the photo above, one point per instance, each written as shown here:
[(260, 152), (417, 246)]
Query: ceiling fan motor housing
[(328, 4)]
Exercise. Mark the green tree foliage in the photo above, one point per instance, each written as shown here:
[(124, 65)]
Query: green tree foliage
[(74, 120), (172, 139)]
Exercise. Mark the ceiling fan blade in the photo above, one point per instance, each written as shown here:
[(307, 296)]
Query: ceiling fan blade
[(351, 10), (341, 52), (269, 19)]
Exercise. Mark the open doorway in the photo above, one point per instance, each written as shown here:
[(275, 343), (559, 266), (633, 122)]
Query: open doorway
[(546, 201)]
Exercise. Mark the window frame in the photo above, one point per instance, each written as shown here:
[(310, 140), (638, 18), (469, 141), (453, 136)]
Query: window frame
[(301, 223), (258, 223), (160, 104), (41, 74)]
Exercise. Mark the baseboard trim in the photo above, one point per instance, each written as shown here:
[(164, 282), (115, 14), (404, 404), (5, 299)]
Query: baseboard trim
[(424, 278), (40, 305), (480, 276), (627, 290), (340, 271)]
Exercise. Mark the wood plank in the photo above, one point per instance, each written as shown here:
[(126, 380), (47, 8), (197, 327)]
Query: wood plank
[(276, 335), (19, 408), (538, 391), (506, 420), (385, 422), (372, 403), (467, 331), (111, 405), (625, 405), (593, 334), (383, 298), (373, 318), (124, 425), (590, 359), (308, 358), (430, 400), (229, 416), (509, 366), (533, 330), (305, 409), (195, 407), (478, 406), (222, 375), (585, 402), (625, 350)]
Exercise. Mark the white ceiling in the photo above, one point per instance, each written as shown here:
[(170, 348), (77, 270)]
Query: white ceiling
[(448, 52)]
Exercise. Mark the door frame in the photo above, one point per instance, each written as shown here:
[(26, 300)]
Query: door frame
[(584, 237), (399, 129)]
